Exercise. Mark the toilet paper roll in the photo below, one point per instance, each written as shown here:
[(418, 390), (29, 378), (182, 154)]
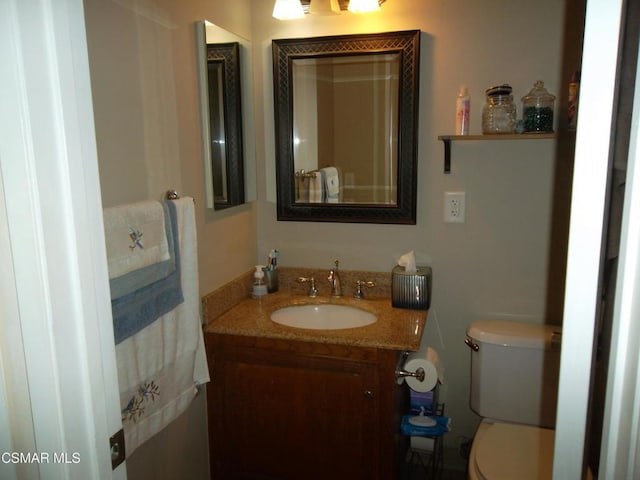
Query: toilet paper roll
[(422, 443), (429, 361)]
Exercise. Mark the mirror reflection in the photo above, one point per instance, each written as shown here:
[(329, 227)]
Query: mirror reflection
[(346, 111), (225, 123), (219, 54), (345, 128), (215, 80)]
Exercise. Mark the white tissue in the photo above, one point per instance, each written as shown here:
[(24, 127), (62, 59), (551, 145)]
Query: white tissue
[(408, 261)]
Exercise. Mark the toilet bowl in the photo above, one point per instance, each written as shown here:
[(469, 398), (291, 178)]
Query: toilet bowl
[(506, 451)]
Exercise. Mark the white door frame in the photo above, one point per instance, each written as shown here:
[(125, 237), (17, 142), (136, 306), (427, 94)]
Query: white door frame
[(620, 453), (58, 382)]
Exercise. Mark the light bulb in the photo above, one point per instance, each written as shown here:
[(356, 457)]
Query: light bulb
[(287, 9), (363, 6)]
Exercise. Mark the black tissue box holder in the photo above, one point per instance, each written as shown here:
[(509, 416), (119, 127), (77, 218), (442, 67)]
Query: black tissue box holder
[(411, 289)]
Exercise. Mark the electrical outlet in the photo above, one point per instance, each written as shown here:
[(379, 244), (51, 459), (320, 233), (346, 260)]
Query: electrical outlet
[(454, 207)]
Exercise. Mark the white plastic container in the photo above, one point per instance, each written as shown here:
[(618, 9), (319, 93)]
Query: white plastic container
[(463, 108), (259, 287)]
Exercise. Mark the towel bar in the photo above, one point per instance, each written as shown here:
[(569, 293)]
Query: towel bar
[(173, 195), (305, 174)]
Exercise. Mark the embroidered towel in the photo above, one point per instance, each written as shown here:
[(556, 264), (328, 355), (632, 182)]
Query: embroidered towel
[(160, 367), (148, 302), (136, 237), (134, 280)]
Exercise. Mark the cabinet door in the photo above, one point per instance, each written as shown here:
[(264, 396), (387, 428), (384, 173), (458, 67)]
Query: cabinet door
[(286, 416)]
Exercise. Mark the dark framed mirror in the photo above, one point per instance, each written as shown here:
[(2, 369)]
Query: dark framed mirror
[(346, 119), (225, 124)]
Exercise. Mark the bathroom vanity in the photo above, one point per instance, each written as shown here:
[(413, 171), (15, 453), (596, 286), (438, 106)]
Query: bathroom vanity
[(290, 403)]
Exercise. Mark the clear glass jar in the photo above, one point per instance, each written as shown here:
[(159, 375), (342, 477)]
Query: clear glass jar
[(499, 113), (537, 109)]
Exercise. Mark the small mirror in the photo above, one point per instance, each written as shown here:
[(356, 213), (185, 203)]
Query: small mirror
[(346, 121), (221, 116)]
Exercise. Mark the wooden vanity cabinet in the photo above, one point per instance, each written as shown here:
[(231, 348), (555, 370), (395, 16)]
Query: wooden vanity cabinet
[(298, 410)]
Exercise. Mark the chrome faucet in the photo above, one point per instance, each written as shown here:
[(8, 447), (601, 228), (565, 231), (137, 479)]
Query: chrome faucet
[(334, 278), (359, 294)]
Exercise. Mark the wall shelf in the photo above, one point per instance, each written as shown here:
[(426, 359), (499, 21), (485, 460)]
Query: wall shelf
[(447, 139)]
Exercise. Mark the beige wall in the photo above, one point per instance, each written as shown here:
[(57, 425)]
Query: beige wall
[(506, 261)]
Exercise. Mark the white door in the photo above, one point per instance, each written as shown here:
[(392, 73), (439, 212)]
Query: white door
[(620, 452), (58, 386)]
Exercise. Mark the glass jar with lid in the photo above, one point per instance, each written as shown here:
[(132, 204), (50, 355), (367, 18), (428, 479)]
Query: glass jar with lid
[(499, 113), (537, 109)]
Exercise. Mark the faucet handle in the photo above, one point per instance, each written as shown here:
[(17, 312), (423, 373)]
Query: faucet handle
[(313, 291), (359, 294)]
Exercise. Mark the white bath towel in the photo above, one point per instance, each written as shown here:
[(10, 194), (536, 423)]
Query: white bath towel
[(160, 367), (136, 237)]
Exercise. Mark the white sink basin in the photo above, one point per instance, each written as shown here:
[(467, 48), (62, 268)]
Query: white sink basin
[(323, 317)]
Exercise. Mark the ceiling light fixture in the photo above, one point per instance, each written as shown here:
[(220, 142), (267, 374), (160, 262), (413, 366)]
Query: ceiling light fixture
[(292, 9), (363, 6), (287, 9), (324, 7)]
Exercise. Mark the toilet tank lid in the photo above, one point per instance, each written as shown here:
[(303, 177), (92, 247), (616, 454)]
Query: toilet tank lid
[(515, 334)]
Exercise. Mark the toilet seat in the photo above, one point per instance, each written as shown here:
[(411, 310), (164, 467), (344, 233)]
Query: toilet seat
[(508, 451)]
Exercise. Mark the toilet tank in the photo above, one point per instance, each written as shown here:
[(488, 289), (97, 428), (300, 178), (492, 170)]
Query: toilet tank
[(514, 371)]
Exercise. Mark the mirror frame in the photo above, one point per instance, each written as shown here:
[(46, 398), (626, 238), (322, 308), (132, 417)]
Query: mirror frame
[(407, 44), (228, 55)]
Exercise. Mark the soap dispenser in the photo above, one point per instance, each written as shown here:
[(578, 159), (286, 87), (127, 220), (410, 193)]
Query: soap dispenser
[(259, 287)]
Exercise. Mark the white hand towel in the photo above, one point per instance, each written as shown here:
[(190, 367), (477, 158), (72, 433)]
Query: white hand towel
[(135, 236)]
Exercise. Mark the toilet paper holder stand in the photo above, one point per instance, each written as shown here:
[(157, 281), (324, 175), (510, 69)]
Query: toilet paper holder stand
[(402, 373)]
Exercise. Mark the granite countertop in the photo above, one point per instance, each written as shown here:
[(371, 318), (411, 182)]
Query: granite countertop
[(395, 329)]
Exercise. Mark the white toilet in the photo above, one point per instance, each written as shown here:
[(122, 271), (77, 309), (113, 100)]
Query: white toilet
[(514, 384)]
